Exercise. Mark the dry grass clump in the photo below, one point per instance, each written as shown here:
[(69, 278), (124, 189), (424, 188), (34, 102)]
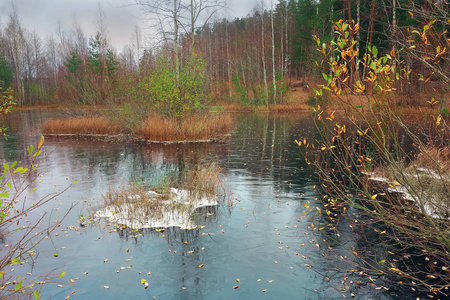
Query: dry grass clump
[(425, 181), (136, 204), (138, 207), (193, 128), (81, 125), (203, 181), (434, 158)]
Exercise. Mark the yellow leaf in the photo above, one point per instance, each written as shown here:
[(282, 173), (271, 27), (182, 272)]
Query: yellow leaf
[(41, 142), (143, 280), (238, 280), (374, 196), (201, 266)]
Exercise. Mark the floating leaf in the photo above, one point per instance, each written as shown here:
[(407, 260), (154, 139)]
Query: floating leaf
[(201, 266), (235, 287), (238, 280)]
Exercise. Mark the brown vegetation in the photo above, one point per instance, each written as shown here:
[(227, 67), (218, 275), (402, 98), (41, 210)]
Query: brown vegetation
[(153, 128), (86, 125), (166, 205), (434, 158), (193, 128)]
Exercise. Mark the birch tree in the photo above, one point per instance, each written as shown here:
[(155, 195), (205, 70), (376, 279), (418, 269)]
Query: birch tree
[(273, 56)]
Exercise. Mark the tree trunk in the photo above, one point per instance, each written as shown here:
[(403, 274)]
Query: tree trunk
[(175, 39), (266, 93), (228, 60), (273, 58)]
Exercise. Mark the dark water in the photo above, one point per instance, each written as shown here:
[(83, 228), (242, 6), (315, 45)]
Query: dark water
[(264, 239)]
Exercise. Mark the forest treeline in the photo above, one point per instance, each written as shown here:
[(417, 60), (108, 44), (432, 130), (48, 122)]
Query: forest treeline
[(250, 59)]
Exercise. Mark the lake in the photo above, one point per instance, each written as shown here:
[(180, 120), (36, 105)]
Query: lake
[(257, 245)]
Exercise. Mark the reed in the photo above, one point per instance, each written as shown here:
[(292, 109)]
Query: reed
[(193, 128), (81, 125)]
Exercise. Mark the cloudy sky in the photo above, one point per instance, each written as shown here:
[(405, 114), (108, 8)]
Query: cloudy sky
[(42, 15)]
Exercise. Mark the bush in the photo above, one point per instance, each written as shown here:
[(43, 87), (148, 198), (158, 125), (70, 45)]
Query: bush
[(172, 97), (393, 202)]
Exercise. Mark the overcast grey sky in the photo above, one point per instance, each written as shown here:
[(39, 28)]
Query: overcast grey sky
[(43, 15)]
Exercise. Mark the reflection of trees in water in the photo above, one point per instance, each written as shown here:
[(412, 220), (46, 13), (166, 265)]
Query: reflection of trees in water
[(148, 163), (203, 216), (267, 148), (185, 246)]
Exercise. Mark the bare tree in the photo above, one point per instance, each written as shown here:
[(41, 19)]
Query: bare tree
[(201, 11), (136, 44), (15, 41), (167, 12)]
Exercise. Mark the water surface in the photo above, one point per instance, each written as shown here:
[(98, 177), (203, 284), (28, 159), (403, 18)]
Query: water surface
[(263, 239)]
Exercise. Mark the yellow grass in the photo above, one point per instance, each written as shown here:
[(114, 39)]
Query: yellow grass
[(278, 108), (194, 128), (82, 125)]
